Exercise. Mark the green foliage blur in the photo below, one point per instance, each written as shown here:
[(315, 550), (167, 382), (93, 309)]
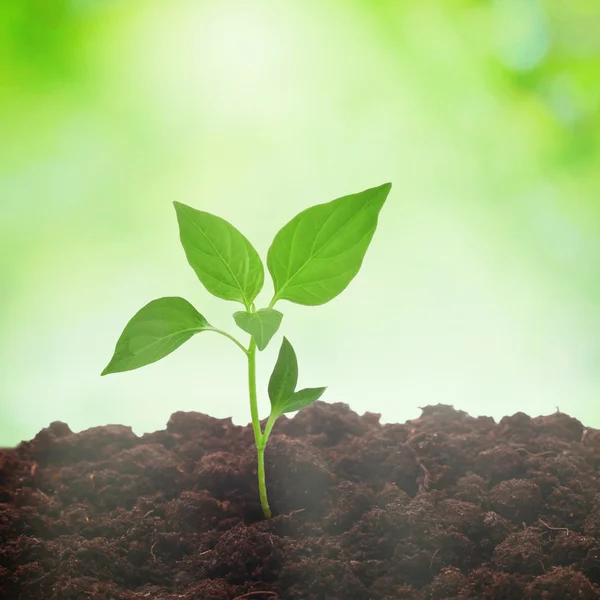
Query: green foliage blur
[(485, 286)]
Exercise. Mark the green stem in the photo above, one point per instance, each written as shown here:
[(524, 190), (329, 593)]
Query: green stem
[(262, 487), (229, 336), (259, 439)]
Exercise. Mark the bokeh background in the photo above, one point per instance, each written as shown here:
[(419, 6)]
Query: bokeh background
[(481, 288)]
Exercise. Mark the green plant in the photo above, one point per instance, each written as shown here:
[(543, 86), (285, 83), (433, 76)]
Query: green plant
[(312, 259)]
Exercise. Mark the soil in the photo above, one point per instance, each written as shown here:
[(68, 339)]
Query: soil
[(443, 506)]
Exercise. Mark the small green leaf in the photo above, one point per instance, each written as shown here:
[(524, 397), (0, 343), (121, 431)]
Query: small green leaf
[(283, 383), (154, 332), (224, 260), (317, 254), (300, 399), (284, 377), (262, 325)]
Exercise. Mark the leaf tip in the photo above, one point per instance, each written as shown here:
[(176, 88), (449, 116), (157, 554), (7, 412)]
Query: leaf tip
[(112, 367), (179, 206)]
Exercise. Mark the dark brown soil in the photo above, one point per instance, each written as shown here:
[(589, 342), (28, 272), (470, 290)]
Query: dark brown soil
[(445, 506)]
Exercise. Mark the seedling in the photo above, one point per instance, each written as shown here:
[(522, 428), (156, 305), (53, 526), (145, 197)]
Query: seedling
[(312, 259)]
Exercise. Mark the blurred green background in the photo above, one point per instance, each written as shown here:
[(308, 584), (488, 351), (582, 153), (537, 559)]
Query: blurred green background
[(481, 287)]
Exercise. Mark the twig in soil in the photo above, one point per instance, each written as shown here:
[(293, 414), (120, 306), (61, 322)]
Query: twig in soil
[(152, 550), (39, 579), (433, 558), (548, 453), (426, 475), (256, 593), (44, 496), (554, 528)]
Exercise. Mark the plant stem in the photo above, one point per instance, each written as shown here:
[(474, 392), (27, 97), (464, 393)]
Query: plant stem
[(262, 487), (259, 439), (229, 336)]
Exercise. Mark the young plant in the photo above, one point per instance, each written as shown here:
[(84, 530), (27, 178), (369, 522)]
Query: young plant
[(311, 260)]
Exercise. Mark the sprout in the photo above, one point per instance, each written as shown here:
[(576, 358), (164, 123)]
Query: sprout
[(312, 260)]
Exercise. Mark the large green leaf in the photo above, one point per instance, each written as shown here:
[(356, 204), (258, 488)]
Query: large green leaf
[(224, 260), (262, 325), (283, 382), (317, 254), (155, 331), (300, 399)]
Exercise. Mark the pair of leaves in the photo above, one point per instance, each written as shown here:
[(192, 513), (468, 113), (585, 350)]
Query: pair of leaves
[(282, 384), (312, 259)]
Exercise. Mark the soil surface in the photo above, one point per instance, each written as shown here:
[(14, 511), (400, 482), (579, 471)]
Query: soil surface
[(444, 506)]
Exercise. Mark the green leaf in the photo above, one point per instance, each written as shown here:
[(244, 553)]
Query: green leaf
[(284, 377), (224, 260), (262, 325), (283, 383), (300, 399), (155, 331), (317, 254)]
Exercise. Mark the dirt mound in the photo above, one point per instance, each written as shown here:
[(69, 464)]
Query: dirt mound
[(444, 506)]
